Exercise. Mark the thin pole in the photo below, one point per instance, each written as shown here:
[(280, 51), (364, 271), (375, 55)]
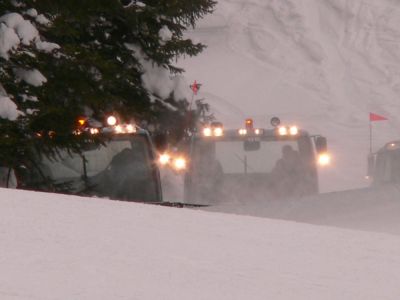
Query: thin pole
[(191, 102), (370, 137)]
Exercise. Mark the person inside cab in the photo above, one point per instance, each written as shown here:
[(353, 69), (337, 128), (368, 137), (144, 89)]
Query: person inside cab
[(128, 176), (287, 173)]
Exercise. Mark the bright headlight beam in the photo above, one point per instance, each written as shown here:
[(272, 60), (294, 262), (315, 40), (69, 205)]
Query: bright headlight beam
[(324, 159), (180, 163), (218, 131), (207, 131), (164, 159)]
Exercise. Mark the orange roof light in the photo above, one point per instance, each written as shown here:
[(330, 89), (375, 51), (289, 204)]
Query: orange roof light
[(81, 121), (249, 123)]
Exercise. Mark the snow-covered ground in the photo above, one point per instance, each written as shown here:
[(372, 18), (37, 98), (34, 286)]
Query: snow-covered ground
[(367, 209), (65, 247), (321, 64)]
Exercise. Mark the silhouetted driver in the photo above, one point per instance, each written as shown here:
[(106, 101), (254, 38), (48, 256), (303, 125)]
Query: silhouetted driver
[(287, 173)]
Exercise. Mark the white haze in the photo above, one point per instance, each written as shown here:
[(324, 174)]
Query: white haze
[(323, 65)]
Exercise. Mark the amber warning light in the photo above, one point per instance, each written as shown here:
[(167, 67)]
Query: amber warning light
[(249, 123)]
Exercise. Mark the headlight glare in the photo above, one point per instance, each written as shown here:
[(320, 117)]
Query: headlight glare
[(324, 159), (164, 159), (207, 131), (180, 163), (218, 131)]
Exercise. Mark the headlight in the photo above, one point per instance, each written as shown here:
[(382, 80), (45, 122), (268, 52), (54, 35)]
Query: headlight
[(179, 163), (164, 159), (283, 131), (324, 159), (207, 131), (257, 131)]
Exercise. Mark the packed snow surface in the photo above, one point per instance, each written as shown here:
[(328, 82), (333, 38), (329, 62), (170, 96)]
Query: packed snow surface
[(66, 247)]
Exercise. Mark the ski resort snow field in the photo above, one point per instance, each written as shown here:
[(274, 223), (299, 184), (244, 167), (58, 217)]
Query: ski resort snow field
[(66, 247)]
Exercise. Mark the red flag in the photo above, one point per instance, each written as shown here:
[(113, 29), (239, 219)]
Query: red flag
[(375, 117), (195, 87)]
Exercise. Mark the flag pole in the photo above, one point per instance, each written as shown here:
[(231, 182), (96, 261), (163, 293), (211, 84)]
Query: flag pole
[(372, 118), (370, 137)]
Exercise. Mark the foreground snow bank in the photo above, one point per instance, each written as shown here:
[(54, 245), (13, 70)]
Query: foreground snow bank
[(63, 247)]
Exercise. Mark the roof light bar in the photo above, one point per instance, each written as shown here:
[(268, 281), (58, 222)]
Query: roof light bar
[(282, 131), (124, 128), (242, 131), (288, 130), (293, 130), (216, 129)]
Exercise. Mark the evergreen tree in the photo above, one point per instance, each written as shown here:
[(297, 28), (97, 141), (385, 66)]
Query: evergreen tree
[(104, 59)]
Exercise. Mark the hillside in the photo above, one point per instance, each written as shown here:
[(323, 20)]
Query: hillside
[(65, 247)]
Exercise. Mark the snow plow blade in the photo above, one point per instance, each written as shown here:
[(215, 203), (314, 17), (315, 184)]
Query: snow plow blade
[(180, 204)]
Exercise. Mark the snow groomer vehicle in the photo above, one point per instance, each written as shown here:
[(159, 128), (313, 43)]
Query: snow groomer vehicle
[(122, 167), (253, 163), (384, 165)]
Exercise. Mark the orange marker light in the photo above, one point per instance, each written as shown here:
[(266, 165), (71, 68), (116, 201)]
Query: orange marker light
[(81, 121), (249, 123)]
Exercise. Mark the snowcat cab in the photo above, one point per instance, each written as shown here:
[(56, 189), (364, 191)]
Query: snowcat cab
[(384, 165), (123, 168), (247, 163)]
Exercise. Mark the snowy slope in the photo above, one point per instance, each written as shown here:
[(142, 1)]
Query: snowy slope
[(368, 209), (64, 247), (321, 64)]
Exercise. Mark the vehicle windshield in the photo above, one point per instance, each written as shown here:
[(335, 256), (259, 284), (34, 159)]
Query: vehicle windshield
[(235, 159), (72, 165)]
